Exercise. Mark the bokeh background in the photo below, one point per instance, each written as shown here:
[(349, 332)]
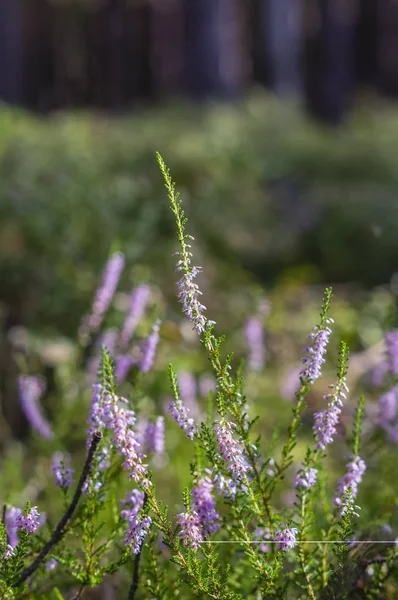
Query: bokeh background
[(279, 122)]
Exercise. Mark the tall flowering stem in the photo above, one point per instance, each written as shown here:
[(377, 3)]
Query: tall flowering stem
[(324, 429), (345, 509), (319, 340), (150, 348), (30, 390), (110, 278), (312, 368), (231, 451), (352, 478), (178, 410), (139, 300), (204, 504), (10, 516), (326, 420), (189, 291), (356, 467), (228, 392)]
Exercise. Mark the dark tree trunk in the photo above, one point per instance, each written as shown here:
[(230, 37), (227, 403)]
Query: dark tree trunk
[(284, 40), (233, 48), (11, 52), (330, 58), (115, 17), (39, 59), (260, 51), (137, 62), (167, 46), (212, 61), (367, 43), (387, 46)]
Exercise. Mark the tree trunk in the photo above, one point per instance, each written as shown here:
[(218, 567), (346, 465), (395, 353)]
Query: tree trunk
[(330, 58), (11, 52), (167, 46), (284, 40), (213, 65), (367, 43), (387, 46)]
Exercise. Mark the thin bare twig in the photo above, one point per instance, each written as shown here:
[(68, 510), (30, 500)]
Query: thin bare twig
[(61, 527)]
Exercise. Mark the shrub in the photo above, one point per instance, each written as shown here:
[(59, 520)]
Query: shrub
[(231, 539)]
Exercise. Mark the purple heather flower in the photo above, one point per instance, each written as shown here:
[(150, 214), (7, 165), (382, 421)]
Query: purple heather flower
[(189, 295), (325, 422), (254, 332), (51, 564), (355, 470), (388, 404), (123, 364), (290, 384), (286, 538), (271, 465), (139, 299), (203, 504), (261, 533), (191, 532), (225, 487), (62, 471), (104, 295), (314, 361), (378, 374), (187, 386), (12, 514), (125, 442), (107, 339), (136, 532), (387, 529), (306, 479), (30, 522), (150, 348), (392, 350), (206, 385), (108, 412), (180, 414), (9, 552), (96, 419), (348, 505), (95, 482), (103, 461), (140, 428), (154, 436), (132, 504), (30, 390), (230, 450), (392, 432)]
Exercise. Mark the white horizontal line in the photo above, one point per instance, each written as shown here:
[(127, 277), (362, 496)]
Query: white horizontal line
[(301, 542)]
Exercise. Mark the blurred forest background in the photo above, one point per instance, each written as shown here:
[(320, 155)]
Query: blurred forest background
[(279, 123), (111, 54)]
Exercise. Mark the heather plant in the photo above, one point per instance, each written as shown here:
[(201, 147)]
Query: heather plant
[(230, 538)]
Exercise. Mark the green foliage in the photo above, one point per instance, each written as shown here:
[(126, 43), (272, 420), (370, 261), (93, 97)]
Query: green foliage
[(229, 564)]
